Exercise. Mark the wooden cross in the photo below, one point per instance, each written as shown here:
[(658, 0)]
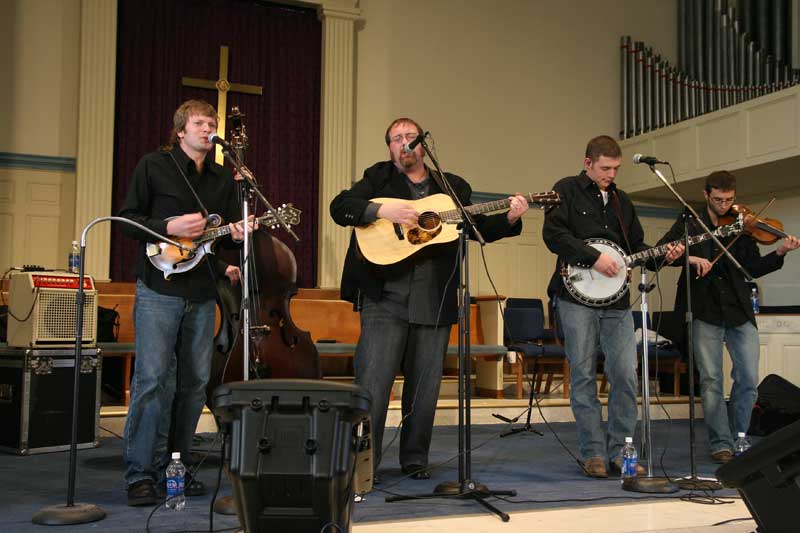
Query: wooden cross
[(223, 87)]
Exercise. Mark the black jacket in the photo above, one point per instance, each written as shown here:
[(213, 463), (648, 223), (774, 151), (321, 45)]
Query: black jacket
[(705, 304), (361, 277)]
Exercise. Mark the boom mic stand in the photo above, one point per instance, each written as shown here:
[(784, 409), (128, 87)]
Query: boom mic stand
[(692, 481), (82, 513), (465, 487)]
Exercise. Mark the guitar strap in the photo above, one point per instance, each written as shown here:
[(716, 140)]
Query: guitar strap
[(188, 184), (618, 212)]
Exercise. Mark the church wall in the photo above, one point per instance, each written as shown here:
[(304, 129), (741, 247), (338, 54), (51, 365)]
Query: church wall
[(38, 141), (510, 90)]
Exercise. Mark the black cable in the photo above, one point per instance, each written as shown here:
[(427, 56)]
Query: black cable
[(8, 307), (120, 437)]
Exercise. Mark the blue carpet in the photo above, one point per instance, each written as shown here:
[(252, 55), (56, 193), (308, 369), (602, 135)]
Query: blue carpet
[(538, 468)]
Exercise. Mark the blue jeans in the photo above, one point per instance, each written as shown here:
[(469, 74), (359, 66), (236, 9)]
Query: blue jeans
[(166, 326), (587, 330), (386, 345), (723, 422)]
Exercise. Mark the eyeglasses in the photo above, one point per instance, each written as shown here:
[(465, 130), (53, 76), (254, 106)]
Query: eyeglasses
[(722, 201), (410, 136)]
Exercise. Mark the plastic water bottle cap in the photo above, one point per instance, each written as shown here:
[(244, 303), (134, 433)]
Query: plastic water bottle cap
[(176, 455), (628, 440), (741, 434), (75, 243)]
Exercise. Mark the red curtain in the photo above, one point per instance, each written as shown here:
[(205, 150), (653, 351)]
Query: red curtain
[(276, 47)]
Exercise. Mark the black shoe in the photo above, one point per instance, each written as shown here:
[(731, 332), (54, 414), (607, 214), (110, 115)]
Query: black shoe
[(416, 472), (142, 492)]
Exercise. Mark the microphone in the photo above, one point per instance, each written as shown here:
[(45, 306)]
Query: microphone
[(408, 148), (647, 160), (216, 139)]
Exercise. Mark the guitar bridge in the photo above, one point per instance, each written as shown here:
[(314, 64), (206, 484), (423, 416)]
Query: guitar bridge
[(398, 229)]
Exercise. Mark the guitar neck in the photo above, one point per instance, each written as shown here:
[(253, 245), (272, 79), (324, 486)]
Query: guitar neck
[(657, 251), (454, 215)]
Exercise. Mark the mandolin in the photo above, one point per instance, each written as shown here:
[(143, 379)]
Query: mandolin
[(171, 260)]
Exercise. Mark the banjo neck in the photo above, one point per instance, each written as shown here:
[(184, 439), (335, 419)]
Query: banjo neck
[(658, 251)]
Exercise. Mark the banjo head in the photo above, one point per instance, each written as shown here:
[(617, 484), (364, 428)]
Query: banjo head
[(592, 288)]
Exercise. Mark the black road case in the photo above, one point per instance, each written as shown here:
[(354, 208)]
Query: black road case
[(36, 399)]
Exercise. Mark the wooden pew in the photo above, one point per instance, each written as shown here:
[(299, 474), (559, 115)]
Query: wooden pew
[(327, 318)]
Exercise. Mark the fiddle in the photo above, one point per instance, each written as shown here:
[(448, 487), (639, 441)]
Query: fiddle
[(762, 230)]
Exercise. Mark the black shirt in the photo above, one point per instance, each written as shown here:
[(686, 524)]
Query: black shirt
[(158, 192), (721, 297), (583, 215)]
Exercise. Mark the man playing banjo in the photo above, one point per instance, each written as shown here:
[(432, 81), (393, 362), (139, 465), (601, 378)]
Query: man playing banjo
[(593, 207)]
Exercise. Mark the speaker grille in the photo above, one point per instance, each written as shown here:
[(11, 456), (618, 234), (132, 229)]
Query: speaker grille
[(58, 316)]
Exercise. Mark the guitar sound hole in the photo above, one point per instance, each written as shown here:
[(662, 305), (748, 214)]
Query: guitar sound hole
[(429, 221)]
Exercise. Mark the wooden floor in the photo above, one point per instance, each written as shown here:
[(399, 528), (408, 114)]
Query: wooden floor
[(663, 517)]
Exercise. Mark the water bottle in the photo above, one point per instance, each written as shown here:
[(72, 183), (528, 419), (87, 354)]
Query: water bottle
[(742, 444), (630, 460), (74, 260), (175, 476), (754, 299)]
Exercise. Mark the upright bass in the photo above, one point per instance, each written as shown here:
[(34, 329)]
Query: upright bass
[(278, 348)]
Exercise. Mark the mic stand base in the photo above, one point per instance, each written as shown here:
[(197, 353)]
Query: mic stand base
[(697, 483), (527, 427), (650, 485), (63, 515), (466, 490)]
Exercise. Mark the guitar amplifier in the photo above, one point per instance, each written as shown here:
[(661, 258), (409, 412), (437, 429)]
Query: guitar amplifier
[(45, 312)]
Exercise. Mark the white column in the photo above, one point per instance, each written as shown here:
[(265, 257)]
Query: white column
[(96, 130), (336, 134)]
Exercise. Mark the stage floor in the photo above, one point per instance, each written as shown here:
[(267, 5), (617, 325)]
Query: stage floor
[(553, 494)]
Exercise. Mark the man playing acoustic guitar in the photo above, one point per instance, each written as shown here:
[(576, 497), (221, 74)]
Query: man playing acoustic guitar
[(407, 308)]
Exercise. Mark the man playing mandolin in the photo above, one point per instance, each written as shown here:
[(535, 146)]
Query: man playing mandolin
[(593, 207), (722, 312), (407, 308), (172, 192)]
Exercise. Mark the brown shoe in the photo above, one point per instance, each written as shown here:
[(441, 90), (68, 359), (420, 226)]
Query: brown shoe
[(722, 456), (615, 468), (595, 467)]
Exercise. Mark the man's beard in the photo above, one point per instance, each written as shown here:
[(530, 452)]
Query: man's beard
[(408, 161)]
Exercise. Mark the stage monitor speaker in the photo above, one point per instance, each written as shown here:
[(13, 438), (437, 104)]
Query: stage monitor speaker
[(768, 478), (295, 452), (778, 405)]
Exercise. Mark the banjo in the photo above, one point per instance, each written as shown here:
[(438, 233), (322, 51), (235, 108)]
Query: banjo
[(590, 287)]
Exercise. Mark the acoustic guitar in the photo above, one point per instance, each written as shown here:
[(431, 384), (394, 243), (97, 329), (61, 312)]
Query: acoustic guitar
[(384, 242)]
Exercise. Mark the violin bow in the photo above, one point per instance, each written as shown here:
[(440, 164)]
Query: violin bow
[(740, 234)]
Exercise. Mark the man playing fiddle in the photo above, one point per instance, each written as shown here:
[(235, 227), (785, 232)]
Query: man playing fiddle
[(723, 313)]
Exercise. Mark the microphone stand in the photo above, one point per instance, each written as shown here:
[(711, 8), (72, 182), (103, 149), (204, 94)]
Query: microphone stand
[(649, 484), (692, 481), (250, 187), (465, 487), (82, 513)]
